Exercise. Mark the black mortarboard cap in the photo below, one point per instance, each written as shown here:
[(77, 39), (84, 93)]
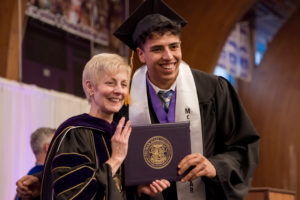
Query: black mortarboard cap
[(155, 10)]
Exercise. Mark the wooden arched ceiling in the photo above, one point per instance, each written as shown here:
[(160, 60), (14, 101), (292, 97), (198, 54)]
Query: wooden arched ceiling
[(272, 100), (209, 24)]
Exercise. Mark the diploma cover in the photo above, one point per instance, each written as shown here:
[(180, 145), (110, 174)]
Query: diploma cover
[(155, 150)]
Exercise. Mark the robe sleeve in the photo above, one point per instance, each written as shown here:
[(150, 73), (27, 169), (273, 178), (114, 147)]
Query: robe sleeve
[(236, 143), (39, 175), (75, 171)]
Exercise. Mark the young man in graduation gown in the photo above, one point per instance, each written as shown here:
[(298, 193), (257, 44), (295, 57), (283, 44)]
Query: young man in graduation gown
[(223, 140)]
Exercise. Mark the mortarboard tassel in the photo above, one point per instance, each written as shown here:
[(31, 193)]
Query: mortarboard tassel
[(127, 100)]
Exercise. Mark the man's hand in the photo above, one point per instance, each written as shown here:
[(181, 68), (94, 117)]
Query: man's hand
[(154, 188), (201, 167), (28, 187)]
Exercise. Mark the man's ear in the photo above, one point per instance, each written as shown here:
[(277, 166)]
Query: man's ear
[(141, 54), (46, 147)]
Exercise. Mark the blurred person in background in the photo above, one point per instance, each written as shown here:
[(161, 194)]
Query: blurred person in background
[(40, 140)]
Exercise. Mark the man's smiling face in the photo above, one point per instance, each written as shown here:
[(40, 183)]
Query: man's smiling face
[(162, 55)]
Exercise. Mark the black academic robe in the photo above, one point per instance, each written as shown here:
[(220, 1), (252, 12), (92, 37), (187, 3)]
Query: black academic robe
[(75, 164), (230, 141)]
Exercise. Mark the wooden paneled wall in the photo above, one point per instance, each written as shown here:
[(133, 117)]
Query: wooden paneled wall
[(6, 7), (272, 99), (9, 37)]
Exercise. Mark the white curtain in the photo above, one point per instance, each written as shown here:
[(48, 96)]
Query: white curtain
[(23, 109)]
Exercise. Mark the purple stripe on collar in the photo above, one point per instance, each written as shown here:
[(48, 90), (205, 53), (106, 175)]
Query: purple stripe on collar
[(162, 116)]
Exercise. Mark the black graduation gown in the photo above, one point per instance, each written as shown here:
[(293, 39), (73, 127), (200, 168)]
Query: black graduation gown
[(230, 141), (75, 164)]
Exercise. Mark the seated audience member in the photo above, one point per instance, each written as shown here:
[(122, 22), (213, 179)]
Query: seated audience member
[(40, 140)]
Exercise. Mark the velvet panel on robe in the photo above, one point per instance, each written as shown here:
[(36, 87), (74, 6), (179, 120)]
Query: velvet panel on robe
[(75, 165)]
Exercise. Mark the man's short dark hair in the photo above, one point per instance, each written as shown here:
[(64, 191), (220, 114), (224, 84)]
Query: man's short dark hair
[(160, 29)]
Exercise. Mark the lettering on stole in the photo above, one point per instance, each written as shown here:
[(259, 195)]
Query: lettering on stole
[(158, 152), (187, 112)]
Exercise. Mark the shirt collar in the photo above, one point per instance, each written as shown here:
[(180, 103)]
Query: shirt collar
[(157, 89), (38, 163)]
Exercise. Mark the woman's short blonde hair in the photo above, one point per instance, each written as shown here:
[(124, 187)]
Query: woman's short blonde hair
[(104, 63)]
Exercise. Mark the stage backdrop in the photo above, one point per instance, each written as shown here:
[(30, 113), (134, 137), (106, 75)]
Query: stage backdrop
[(23, 109)]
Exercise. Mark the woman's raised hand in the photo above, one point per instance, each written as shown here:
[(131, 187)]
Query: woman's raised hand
[(119, 145)]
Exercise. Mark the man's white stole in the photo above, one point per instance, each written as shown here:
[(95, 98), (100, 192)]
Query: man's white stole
[(187, 108)]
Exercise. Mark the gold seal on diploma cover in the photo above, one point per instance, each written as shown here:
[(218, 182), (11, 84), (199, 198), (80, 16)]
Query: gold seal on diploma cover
[(158, 152)]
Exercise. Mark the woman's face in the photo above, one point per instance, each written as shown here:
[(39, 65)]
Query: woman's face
[(109, 94)]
